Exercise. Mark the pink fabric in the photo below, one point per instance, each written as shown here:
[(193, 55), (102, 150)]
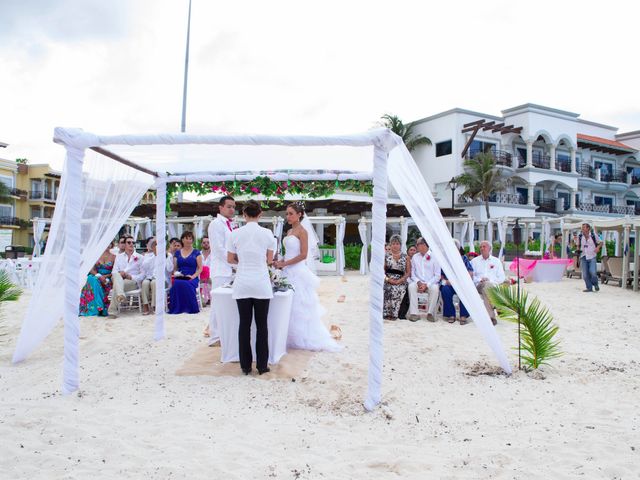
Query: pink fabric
[(527, 266), (204, 275)]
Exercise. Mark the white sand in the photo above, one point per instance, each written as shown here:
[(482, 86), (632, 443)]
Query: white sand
[(134, 418)]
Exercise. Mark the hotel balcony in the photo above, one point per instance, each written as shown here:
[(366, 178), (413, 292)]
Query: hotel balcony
[(501, 157), (610, 209), (614, 175), (501, 198), (11, 222), (17, 193), (45, 195)]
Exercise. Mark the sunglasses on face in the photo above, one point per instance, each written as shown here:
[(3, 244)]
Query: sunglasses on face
[(129, 243)]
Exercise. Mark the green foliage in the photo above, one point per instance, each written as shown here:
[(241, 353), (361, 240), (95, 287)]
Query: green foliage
[(536, 330), (8, 293), (411, 140), (481, 179), (352, 256), (22, 161), (268, 188)]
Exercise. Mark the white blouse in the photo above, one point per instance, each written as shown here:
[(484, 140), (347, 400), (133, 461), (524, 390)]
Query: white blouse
[(250, 243)]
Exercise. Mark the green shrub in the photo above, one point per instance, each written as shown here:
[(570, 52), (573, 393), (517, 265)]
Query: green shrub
[(352, 256)]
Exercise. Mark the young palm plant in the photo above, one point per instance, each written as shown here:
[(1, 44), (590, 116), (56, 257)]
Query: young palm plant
[(537, 333), (411, 140), (481, 179), (8, 293)]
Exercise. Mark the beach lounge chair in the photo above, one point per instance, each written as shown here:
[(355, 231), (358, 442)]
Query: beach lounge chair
[(613, 270)]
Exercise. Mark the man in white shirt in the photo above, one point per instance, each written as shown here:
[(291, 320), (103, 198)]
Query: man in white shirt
[(127, 275), (221, 273), (425, 278), (488, 272), (589, 246)]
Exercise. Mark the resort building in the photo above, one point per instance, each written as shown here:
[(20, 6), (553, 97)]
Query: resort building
[(556, 163), (33, 190)]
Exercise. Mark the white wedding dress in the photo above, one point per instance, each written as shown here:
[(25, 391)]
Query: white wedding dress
[(306, 330)]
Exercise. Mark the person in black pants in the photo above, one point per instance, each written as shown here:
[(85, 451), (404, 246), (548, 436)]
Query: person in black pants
[(251, 248)]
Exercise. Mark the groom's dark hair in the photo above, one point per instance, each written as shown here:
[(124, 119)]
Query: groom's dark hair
[(251, 209), (224, 199)]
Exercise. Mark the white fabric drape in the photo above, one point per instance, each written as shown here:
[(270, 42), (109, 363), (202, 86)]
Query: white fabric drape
[(472, 236), (107, 194), (463, 233), (160, 266), (376, 279), (404, 233), (313, 252), (148, 229), (490, 231), (38, 230), (136, 231), (416, 196), (340, 230), (279, 229), (199, 228), (173, 232), (364, 253), (502, 233)]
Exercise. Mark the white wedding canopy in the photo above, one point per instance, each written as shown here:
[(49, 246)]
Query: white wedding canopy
[(105, 192)]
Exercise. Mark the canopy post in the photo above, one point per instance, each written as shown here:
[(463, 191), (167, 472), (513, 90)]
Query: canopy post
[(636, 254), (161, 257), (379, 213), (625, 256), (73, 205)]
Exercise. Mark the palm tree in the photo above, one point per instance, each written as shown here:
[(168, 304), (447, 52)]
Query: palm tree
[(410, 139), (8, 293), (481, 179)]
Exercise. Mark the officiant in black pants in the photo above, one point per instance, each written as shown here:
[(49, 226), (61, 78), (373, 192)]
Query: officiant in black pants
[(251, 248)]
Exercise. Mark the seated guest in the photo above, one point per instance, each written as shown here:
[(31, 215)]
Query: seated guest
[(149, 282), (488, 272), (127, 275), (187, 266), (94, 300), (205, 276), (447, 291), (397, 269), (411, 251), (115, 250), (556, 240), (425, 278)]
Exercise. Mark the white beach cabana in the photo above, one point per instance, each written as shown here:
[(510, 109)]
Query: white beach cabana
[(96, 187), (623, 227)]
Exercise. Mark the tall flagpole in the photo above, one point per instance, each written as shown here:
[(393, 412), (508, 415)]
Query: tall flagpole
[(186, 73)]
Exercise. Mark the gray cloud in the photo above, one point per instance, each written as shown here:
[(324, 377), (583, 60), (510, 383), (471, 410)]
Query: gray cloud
[(24, 22)]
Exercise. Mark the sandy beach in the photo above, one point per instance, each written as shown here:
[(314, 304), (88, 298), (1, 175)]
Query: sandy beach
[(446, 411)]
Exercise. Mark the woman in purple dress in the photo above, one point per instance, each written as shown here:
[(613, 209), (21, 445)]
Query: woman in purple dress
[(187, 266)]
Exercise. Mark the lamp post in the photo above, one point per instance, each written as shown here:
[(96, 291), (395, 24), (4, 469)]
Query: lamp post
[(452, 185), (517, 239)]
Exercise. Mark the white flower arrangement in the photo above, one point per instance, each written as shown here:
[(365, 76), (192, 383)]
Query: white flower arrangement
[(278, 281)]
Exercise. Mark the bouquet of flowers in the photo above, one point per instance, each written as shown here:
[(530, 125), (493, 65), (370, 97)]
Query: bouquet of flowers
[(278, 281)]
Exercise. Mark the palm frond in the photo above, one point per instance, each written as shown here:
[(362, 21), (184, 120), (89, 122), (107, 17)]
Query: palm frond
[(8, 290), (410, 139), (537, 333)]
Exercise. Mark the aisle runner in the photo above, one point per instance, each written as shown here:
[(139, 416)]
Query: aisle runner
[(206, 361)]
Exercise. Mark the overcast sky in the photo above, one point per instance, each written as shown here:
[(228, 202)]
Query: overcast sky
[(326, 67)]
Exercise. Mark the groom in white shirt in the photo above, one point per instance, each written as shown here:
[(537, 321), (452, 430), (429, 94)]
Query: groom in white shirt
[(487, 272), (425, 278), (219, 232)]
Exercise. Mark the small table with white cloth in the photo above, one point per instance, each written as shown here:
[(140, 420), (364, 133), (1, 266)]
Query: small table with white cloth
[(226, 310)]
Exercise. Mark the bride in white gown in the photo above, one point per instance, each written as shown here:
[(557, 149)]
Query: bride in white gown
[(306, 330)]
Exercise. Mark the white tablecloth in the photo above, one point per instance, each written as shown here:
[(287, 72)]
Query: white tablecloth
[(546, 271), (226, 310)]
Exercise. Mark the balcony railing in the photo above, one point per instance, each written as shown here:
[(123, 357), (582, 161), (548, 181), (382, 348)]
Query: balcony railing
[(16, 192), (635, 180), (563, 165), (617, 209), (538, 160), (10, 221), (42, 195), (587, 171), (547, 205), (500, 156), (613, 176), (499, 197)]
